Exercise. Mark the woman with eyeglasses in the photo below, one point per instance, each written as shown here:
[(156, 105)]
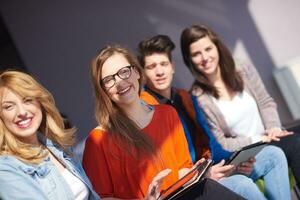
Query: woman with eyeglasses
[(36, 160), (136, 150)]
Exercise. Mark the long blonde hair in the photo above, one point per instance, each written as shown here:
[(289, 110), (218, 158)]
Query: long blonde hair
[(52, 125), (109, 115)]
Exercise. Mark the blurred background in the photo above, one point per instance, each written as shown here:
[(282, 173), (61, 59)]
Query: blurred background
[(56, 40)]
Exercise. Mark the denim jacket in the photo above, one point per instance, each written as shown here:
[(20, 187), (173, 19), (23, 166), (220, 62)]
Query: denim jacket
[(19, 180)]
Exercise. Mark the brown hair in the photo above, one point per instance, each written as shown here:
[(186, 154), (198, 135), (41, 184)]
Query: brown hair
[(52, 125), (229, 74), (155, 44), (108, 115)]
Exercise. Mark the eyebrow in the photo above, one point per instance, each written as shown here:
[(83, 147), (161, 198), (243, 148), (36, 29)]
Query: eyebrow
[(3, 102)]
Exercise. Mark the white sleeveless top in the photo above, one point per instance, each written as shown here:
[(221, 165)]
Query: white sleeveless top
[(78, 188), (242, 115)]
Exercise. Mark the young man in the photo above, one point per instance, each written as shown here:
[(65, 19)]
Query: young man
[(156, 59)]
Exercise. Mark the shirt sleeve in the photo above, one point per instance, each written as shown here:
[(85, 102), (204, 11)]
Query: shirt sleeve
[(95, 164), (266, 104)]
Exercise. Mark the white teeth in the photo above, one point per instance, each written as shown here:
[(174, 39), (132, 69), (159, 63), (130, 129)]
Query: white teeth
[(24, 122), (124, 90)]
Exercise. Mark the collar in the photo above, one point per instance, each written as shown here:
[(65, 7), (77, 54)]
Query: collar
[(161, 99), (41, 170)]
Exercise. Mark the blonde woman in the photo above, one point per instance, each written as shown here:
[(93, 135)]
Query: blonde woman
[(36, 161)]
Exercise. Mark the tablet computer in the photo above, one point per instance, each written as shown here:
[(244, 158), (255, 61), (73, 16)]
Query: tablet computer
[(246, 152), (186, 181)]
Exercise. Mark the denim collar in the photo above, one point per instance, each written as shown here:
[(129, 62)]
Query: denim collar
[(41, 170)]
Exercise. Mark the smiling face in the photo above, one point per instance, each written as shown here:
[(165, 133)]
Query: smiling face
[(22, 116), (159, 72), (125, 91), (205, 57)]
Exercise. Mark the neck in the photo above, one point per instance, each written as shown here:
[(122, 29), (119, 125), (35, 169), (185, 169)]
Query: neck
[(137, 112), (165, 93), (32, 140), (215, 77)]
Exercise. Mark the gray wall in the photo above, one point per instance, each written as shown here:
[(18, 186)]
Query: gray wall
[(57, 39)]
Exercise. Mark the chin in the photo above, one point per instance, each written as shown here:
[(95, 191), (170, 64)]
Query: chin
[(160, 88)]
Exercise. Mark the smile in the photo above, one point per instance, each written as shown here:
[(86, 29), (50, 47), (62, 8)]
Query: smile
[(24, 123), (125, 90)]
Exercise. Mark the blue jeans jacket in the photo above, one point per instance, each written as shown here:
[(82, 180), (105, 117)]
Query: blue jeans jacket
[(19, 180)]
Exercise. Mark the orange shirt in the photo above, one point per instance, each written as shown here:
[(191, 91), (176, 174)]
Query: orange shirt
[(201, 141), (114, 173)]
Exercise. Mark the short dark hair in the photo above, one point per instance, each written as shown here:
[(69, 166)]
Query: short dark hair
[(155, 44)]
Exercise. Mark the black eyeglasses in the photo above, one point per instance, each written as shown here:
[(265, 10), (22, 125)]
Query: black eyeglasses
[(123, 73)]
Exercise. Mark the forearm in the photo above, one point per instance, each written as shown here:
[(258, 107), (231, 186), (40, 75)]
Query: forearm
[(234, 143), (229, 141)]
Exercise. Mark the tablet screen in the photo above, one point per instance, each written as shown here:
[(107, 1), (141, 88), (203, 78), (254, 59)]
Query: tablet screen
[(194, 175), (246, 153)]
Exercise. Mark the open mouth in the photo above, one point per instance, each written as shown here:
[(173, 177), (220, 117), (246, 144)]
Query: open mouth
[(124, 90), (24, 123)]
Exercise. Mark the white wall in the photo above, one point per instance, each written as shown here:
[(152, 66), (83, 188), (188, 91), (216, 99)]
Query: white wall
[(57, 39), (279, 26)]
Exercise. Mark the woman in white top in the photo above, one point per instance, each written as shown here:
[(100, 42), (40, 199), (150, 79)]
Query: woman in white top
[(226, 97)]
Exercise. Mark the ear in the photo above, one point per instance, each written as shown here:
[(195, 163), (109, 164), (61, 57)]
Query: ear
[(173, 66)]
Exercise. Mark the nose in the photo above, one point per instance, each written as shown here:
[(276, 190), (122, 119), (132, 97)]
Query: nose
[(204, 56), (22, 112), (117, 80), (159, 71)]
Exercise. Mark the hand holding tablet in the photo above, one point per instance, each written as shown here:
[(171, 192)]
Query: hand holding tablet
[(186, 182), (245, 153)]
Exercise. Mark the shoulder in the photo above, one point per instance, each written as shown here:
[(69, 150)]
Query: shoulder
[(183, 92), (8, 162), (96, 136), (97, 132), (16, 181), (245, 68), (165, 114), (200, 96), (197, 90), (11, 168), (148, 98), (164, 108)]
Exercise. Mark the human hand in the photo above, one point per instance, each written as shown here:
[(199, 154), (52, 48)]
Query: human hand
[(184, 171), (198, 163), (246, 167), (154, 187), (277, 132), (218, 171), (267, 138)]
